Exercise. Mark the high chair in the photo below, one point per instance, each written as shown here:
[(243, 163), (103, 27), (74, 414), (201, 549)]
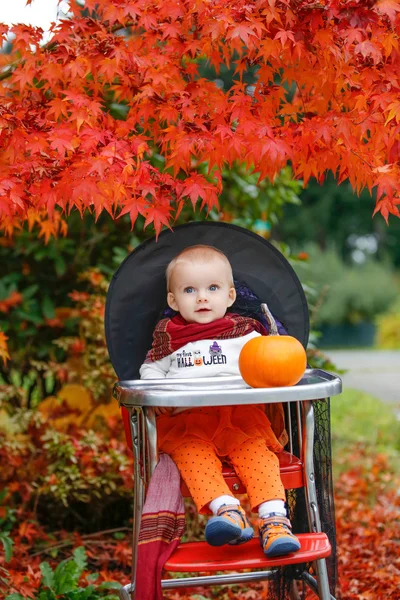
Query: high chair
[(135, 302)]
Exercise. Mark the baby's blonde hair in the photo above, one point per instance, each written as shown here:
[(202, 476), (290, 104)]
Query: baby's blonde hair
[(195, 254)]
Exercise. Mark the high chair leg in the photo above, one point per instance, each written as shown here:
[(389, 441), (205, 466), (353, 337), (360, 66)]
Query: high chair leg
[(311, 495), (144, 442), (311, 582), (139, 443), (294, 593), (150, 447)]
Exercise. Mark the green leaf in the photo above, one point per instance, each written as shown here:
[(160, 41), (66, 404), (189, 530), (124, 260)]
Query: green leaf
[(92, 577), (66, 576), (7, 545), (105, 269), (29, 380), (16, 378), (46, 595), (36, 396), (118, 111), (83, 593), (4, 491), (120, 253), (30, 291), (79, 555), (14, 596), (48, 308), (49, 383), (110, 585), (48, 575), (34, 318), (40, 253), (60, 265), (3, 291)]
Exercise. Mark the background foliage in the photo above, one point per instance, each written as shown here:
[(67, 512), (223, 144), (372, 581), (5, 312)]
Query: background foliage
[(98, 130), (333, 215), (346, 293)]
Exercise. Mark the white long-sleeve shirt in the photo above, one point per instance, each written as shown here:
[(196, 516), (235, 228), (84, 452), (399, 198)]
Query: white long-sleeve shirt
[(204, 358)]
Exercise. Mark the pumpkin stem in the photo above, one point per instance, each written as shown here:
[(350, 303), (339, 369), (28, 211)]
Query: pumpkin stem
[(273, 329)]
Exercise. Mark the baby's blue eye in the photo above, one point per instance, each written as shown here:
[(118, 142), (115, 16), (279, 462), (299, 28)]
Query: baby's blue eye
[(189, 290), (213, 288)]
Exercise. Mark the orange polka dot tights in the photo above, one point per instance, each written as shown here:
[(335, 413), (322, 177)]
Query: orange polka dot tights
[(255, 465)]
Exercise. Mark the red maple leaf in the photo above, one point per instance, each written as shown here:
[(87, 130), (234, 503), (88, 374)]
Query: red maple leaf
[(389, 8)]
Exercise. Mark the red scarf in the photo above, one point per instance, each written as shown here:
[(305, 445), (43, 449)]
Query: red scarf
[(171, 334)]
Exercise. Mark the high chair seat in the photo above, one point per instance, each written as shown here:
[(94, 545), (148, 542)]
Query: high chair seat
[(291, 469), (200, 556)]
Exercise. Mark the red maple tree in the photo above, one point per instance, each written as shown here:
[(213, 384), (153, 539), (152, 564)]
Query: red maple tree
[(324, 97)]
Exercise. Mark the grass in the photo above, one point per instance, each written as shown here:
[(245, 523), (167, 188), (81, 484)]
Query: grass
[(360, 420)]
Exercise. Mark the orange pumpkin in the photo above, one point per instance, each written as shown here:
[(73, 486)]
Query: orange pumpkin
[(273, 360)]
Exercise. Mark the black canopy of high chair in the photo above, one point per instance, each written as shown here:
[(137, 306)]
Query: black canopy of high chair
[(137, 293)]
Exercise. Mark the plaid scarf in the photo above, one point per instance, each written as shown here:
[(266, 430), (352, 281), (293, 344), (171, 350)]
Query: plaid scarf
[(172, 334)]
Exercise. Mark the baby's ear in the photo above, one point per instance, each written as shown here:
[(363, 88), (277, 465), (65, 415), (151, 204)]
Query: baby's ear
[(232, 296), (171, 301)]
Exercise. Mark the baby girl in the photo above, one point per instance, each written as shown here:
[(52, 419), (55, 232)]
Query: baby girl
[(204, 340)]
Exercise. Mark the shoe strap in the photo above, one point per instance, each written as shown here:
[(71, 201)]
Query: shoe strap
[(236, 509), (275, 519)]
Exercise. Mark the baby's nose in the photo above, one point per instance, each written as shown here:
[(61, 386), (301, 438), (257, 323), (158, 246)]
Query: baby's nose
[(202, 296)]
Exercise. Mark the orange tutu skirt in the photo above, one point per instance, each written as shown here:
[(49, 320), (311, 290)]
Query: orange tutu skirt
[(224, 427)]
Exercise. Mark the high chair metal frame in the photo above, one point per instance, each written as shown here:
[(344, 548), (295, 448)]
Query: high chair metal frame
[(138, 397)]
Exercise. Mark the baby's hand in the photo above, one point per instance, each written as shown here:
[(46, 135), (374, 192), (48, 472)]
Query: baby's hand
[(163, 410)]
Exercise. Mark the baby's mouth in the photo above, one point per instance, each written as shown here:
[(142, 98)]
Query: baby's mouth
[(203, 310)]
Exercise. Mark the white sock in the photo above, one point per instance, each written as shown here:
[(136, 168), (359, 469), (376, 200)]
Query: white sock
[(216, 504), (272, 506)]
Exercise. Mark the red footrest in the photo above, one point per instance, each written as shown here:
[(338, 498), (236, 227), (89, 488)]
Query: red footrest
[(199, 556)]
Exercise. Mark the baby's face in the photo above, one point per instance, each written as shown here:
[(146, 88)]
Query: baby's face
[(201, 292)]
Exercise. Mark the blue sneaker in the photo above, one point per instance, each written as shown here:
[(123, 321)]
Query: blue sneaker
[(276, 536), (230, 526)]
